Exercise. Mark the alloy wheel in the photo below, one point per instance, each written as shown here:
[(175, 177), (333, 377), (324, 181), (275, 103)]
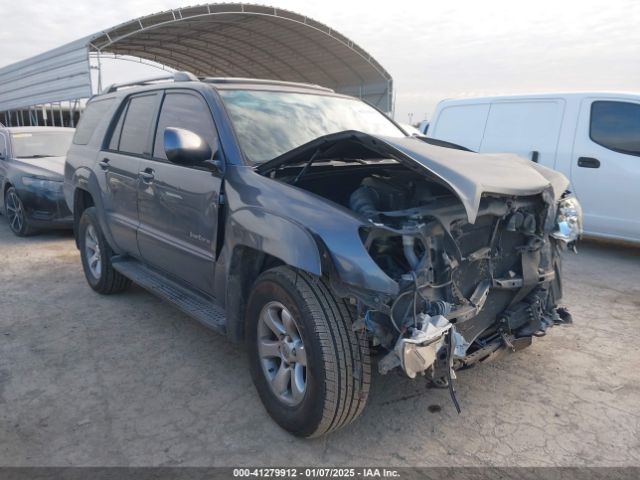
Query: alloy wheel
[(282, 353), (15, 212), (92, 251)]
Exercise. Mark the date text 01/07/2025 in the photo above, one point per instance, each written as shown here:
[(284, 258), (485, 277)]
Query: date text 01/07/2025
[(316, 472)]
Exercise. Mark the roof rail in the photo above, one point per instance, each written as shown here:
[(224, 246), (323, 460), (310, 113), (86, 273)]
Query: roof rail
[(176, 77), (263, 81)]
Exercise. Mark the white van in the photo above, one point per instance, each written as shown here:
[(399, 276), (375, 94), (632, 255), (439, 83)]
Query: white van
[(593, 138)]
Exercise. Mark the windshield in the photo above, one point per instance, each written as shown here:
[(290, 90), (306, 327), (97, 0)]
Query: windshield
[(41, 144), (269, 124)]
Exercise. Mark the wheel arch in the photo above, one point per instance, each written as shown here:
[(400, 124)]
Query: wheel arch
[(244, 267), (257, 240), (5, 188), (82, 199), (85, 194)]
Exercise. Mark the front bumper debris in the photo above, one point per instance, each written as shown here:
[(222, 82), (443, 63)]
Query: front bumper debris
[(425, 351)]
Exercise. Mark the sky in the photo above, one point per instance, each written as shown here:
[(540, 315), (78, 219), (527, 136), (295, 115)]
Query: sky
[(433, 49)]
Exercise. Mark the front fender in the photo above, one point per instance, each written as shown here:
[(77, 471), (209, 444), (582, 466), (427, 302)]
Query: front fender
[(276, 236), (302, 229)]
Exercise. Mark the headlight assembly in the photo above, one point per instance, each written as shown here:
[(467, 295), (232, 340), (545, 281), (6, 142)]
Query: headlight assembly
[(42, 184), (568, 220)]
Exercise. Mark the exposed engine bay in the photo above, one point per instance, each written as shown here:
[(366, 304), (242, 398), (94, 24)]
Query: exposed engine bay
[(467, 291)]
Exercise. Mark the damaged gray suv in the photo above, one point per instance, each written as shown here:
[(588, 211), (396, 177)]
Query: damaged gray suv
[(310, 226)]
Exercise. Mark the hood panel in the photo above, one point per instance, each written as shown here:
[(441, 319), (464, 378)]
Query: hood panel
[(46, 166), (471, 174), (468, 174)]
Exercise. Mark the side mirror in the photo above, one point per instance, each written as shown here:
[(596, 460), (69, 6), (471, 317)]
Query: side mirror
[(185, 147)]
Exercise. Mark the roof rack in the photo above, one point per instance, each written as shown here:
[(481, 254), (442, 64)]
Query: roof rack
[(176, 77), (190, 77), (262, 81)]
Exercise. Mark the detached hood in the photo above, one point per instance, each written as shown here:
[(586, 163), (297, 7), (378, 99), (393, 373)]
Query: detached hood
[(49, 167), (468, 174)]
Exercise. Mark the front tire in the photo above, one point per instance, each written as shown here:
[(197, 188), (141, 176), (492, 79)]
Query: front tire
[(96, 255), (311, 369), (16, 214)]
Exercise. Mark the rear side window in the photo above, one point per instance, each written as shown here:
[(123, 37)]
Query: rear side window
[(184, 110), (616, 126), (139, 116), (91, 116)]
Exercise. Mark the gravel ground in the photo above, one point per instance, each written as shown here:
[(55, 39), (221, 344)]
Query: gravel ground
[(128, 380)]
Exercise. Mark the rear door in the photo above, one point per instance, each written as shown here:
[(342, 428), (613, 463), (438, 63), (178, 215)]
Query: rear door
[(529, 128), (179, 205), (605, 168), (131, 141)]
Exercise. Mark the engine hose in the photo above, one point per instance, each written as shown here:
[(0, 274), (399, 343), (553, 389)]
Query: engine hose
[(406, 312), (363, 201), (408, 243)]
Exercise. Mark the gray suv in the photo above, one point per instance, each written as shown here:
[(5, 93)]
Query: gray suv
[(312, 227)]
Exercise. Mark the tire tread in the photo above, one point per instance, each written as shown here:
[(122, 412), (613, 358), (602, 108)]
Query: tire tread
[(112, 281), (346, 352)]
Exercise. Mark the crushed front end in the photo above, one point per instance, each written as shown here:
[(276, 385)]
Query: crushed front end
[(467, 292), (467, 246)]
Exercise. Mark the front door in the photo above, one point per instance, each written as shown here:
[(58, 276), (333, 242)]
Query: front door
[(605, 169), (179, 205)]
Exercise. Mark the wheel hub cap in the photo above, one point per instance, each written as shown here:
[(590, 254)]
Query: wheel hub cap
[(288, 349), (92, 252), (282, 353)]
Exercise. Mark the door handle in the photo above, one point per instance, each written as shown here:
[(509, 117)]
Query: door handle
[(104, 164), (147, 175), (588, 162)]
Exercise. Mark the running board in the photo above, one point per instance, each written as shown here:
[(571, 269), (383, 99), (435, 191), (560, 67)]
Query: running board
[(193, 304)]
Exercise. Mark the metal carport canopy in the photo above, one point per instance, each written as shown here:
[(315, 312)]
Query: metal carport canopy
[(242, 40), (227, 40)]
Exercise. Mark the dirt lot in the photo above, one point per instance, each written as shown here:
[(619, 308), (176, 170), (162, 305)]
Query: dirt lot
[(128, 380)]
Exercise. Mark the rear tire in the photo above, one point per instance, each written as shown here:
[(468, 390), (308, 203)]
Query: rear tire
[(16, 215), (96, 255), (333, 384)]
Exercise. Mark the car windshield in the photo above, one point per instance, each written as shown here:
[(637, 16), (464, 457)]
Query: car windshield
[(41, 144), (269, 124)]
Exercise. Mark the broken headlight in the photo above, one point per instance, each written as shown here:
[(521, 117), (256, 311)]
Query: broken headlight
[(568, 220)]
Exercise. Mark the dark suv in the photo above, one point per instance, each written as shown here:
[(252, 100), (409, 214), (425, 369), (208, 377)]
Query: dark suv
[(309, 225)]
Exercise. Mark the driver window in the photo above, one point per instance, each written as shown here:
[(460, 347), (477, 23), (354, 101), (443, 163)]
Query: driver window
[(616, 126), (188, 111)]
